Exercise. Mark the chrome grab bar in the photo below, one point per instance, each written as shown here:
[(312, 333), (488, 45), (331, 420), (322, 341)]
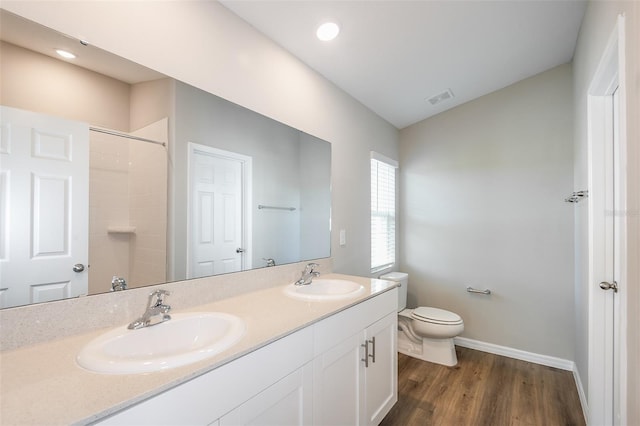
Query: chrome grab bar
[(474, 290)]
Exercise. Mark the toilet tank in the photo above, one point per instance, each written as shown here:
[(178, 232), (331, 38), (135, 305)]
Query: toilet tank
[(403, 279)]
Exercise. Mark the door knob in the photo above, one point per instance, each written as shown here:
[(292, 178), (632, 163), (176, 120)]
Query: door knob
[(78, 267), (239, 250), (609, 286)]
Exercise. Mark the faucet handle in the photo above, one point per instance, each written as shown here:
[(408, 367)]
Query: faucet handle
[(118, 283), (311, 267), (156, 298)]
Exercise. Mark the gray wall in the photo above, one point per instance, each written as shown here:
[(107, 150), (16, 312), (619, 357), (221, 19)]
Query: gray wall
[(482, 190)]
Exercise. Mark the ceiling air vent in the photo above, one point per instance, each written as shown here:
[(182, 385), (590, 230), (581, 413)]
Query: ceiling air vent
[(440, 97)]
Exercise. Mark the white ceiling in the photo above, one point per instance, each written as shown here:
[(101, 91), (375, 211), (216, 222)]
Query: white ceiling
[(392, 55)]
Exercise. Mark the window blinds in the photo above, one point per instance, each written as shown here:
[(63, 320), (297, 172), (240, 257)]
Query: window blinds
[(383, 212)]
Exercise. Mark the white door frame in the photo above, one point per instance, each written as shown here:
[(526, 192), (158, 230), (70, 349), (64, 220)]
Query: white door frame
[(246, 201), (607, 310)]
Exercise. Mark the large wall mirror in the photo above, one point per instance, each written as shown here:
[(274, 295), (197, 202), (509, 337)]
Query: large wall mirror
[(109, 169)]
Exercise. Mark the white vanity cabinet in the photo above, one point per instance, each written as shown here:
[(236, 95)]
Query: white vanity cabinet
[(312, 376), (355, 381)]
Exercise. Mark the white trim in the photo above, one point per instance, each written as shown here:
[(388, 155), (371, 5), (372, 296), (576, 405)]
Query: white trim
[(621, 361), (607, 397), (583, 397), (384, 159), (549, 361)]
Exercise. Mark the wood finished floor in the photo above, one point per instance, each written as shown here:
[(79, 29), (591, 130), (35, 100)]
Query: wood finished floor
[(483, 389)]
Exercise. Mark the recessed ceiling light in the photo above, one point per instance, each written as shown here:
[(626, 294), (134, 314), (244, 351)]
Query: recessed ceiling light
[(328, 31), (65, 54)]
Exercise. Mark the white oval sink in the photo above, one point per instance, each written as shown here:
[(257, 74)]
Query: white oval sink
[(183, 339), (325, 289)]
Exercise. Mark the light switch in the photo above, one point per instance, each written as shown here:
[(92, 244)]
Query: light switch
[(343, 238)]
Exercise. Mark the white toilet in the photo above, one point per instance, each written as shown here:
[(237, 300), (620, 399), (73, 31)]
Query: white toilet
[(425, 333)]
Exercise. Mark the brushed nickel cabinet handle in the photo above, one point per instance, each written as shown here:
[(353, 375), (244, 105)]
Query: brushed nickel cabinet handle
[(365, 345), (373, 352)]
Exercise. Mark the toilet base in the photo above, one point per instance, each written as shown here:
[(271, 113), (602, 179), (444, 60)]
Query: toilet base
[(438, 351)]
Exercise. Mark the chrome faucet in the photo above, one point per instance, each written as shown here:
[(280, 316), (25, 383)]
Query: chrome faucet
[(156, 312), (118, 284), (308, 274)]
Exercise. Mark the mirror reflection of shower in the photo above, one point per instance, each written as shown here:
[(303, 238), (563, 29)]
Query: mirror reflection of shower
[(127, 208)]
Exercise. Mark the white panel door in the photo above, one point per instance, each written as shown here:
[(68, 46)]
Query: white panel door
[(216, 241), (44, 173)]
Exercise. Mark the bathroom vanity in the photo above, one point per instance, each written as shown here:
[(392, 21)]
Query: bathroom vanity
[(300, 362)]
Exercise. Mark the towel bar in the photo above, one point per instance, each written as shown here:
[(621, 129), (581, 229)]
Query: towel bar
[(576, 197), (474, 290), (260, 207)]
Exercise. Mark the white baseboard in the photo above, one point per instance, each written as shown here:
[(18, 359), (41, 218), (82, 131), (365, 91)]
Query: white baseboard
[(581, 394), (550, 361)]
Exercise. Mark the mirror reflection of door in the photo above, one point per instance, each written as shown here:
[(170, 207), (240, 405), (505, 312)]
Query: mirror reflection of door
[(217, 215), (43, 208)]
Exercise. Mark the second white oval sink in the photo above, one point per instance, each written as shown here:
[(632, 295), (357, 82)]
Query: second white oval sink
[(185, 338), (325, 289)]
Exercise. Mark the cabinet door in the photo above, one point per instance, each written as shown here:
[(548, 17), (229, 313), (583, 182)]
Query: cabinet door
[(381, 376), (338, 397), (287, 402)]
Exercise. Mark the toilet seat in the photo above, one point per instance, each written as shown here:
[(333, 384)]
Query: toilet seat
[(436, 316)]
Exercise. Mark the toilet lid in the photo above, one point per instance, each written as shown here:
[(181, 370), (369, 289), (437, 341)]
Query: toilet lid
[(435, 315)]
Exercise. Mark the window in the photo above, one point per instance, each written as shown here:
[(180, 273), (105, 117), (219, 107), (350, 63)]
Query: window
[(383, 212)]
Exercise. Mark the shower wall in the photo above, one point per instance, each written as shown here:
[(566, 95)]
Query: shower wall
[(127, 211), (108, 210), (148, 207)]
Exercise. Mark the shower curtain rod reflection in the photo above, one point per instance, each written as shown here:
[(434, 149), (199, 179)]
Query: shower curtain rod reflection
[(125, 135)]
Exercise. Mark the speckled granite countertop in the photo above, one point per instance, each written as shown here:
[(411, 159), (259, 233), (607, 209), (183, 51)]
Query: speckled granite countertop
[(43, 385)]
